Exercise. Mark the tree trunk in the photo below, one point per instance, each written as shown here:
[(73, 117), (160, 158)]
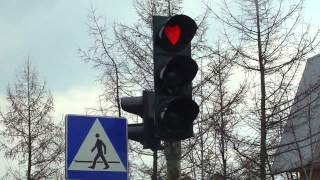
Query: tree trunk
[(263, 130), (29, 123), (222, 123)]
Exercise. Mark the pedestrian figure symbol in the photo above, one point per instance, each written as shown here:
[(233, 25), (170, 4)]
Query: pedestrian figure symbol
[(101, 152)]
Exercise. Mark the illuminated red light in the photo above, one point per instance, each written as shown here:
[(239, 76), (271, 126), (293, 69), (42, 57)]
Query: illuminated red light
[(173, 33)]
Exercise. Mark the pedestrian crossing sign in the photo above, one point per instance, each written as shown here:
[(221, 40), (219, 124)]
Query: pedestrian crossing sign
[(96, 148)]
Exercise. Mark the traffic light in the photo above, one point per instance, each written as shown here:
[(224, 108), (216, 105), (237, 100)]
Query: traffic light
[(174, 70), (142, 132)]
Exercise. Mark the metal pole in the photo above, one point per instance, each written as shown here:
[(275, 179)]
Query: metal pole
[(172, 151), (155, 165)]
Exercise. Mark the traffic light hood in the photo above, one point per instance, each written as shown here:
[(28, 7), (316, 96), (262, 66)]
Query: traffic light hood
[(176, 33), (132, 105), (176, 118), (179, 72), (181, 107)]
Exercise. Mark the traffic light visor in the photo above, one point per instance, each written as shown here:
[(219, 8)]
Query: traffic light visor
[(182, 110), (178, 73), (132, 105)]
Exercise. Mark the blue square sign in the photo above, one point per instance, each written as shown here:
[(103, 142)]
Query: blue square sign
[(96, 148)]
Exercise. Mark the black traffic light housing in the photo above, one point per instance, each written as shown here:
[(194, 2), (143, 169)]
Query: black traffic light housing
[(142, 132), (174, 70)]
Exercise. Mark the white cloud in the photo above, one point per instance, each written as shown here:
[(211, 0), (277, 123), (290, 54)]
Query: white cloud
[(192, 8), (3, 102), (75, 100)]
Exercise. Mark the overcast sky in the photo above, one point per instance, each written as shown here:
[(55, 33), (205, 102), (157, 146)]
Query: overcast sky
[(50, 33)]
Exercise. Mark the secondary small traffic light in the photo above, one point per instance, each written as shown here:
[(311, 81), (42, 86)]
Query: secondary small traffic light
[(142, 132), (174, 70)]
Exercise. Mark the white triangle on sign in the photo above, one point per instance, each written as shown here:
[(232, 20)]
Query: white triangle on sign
[(85, 158)]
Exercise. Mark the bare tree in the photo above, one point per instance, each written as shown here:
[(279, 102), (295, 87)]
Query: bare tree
[(210, 154), (130, 52), (136, 44), (34, 140), (100, 54), (226, 113), (269, 45), (126, 61)]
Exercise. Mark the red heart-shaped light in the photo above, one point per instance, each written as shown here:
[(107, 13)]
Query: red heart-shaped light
[(172, 33)]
